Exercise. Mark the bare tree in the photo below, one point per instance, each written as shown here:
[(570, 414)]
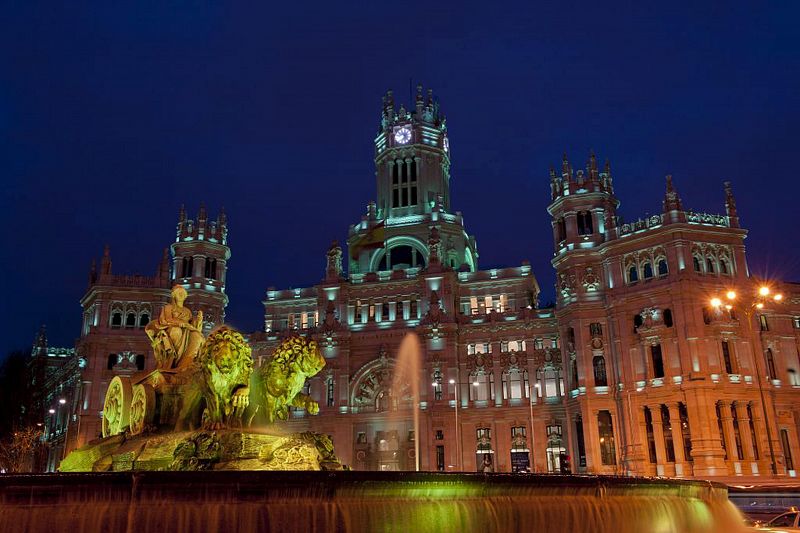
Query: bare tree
[(17, 451)]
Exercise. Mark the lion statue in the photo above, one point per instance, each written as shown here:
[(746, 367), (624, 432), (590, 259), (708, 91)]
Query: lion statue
[(219, 381), (278, 383)]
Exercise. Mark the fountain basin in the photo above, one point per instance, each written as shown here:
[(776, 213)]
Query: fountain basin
[(257, 501)]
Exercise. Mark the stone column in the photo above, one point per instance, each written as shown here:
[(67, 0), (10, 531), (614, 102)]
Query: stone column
[(658, 434), (744, 430), (730, 433), (765, 465), (677, 439)]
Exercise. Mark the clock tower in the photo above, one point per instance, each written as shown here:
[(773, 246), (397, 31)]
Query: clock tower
[(412, 158), (412, 209)]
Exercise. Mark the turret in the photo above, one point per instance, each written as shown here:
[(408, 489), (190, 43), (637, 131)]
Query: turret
[(200, 257), (672, 205), (583, 207)]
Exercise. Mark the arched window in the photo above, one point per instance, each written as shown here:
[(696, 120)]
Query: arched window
[(481, 387), (144, 319), (401, 257), (663, 269), (648, 270), (696, 263), (709, 265), (633, 274), (771, 374), (116, 319), (599, 366), (723, 266), (130, 320), (512, 385), (605, 428)]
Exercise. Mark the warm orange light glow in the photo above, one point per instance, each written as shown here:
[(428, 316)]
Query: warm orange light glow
[(452, 382), (716, 302), (778, 297), (731, 295), (763, 291), (729, 307), (759, 305)]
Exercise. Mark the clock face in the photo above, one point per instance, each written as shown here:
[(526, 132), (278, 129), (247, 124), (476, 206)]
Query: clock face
[(403, 135), (446, 144)]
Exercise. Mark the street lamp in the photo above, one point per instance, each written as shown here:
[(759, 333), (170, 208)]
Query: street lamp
[(747, 306), (458, 429)]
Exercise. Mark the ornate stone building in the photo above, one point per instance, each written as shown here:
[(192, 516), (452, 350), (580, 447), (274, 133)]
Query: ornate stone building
[(633, 371)]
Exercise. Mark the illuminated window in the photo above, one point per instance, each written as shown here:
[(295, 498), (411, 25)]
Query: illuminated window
[(762, 320), (605, 429), (599, 367), (329, 393)]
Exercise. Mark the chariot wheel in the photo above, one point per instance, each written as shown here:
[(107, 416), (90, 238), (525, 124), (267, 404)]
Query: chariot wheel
[(117, 406), (143, 407)]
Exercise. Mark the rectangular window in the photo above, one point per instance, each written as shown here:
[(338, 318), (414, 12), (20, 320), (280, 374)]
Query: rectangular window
[(518, 431), (605, 428), (658, 361), (361, 438), (473, 304), (762, 319), (303, 321), (487, 303), (726, 357), (503, 346), (329, 393), (787, 451), (440, 458), (538, 344), (796, 322), (596, 329)]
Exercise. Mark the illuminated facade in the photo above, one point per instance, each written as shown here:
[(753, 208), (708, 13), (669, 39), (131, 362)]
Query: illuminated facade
[(632, 372)]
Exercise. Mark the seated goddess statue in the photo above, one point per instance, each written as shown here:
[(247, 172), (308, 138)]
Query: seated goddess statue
[(175, 337)]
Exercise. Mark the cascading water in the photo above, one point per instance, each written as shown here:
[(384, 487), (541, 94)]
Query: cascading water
[(286, 502), (407, 377)]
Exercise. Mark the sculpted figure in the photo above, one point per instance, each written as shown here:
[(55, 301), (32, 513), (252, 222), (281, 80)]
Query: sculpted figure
[(219, 380), (279, 382), (175, 337)]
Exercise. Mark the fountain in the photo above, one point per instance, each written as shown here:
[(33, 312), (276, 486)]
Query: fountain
[(407, 374), (204, 408), (191, 447)]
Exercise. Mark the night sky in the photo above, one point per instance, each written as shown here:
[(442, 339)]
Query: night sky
[(112, 117)]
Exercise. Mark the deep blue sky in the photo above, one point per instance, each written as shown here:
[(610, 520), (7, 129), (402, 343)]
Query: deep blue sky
[(111, 117)]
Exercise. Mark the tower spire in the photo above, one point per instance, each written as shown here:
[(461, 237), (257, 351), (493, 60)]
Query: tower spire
[(672, 201), (730, 206)]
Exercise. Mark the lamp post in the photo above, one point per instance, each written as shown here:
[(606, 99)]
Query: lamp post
[(458, 429), (530, 405), (747, 307)]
